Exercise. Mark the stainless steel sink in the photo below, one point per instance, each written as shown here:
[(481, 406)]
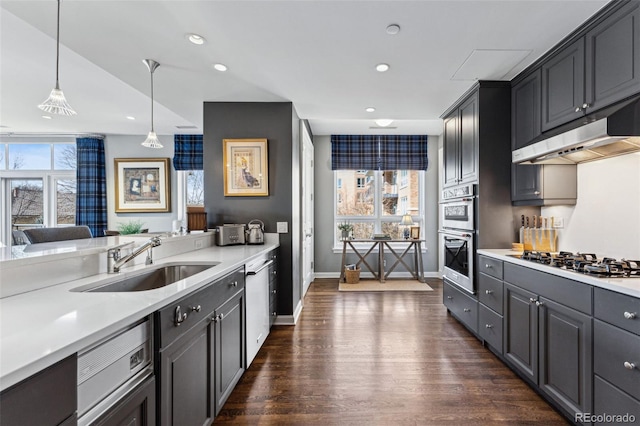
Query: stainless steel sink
[(149, 279)]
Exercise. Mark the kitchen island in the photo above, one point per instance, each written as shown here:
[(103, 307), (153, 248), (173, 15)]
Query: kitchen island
[(51, 322)]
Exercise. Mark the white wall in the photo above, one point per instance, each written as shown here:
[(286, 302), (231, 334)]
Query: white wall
[(606, 218), (128, 146)]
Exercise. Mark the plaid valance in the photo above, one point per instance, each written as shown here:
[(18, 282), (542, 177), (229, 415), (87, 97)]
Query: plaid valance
[(379, 152), (187, 152)]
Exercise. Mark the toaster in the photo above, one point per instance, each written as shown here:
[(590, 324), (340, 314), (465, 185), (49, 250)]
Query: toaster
[(228, 235)]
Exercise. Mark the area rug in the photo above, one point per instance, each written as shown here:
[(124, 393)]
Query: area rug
[(389, 285)]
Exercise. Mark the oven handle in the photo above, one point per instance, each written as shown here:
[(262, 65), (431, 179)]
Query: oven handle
[(456, 234)]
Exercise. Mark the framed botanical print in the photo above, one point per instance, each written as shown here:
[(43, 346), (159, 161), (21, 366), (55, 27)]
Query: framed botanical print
[(142, 185), (246, 167)]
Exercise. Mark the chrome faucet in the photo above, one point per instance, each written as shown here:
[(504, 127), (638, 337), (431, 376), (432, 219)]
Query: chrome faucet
[(114, 262)]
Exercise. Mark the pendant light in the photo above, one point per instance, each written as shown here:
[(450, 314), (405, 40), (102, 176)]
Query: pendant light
[(152, 139), (56, 102)]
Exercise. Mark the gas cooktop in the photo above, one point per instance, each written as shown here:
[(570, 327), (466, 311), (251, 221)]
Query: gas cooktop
[(585, 263)]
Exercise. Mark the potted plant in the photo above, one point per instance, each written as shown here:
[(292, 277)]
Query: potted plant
[(346, 229), (130, 227)]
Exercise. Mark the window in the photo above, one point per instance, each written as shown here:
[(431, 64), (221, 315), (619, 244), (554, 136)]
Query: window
[(374, 203), (37, 185), (190, 191)]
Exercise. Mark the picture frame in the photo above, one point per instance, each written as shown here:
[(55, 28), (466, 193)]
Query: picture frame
[(246, 167), (415, 232), (142, 185)]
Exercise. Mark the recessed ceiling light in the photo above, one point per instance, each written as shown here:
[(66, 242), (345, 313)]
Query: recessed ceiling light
[(48, 117), (383, 122), (130, 117), (393, 29), (382, 67), (220, 67), (370, 109), (195, 39)]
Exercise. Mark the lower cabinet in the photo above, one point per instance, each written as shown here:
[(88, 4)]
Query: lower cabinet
[(200, 352), (463, 306), (48, 398), (138, 408), (273, 288)]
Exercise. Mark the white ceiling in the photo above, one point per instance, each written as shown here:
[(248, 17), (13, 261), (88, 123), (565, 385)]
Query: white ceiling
[(320, 55)]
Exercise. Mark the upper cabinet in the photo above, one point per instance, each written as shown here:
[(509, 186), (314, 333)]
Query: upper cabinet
[(461, 143), (563, 86), (596, 69), (613, 58), (525, 110)]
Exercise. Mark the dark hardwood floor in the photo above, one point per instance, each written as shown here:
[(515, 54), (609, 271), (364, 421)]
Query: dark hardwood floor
[(393, 358)]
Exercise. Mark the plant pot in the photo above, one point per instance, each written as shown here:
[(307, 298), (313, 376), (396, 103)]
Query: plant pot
[(345, 235)]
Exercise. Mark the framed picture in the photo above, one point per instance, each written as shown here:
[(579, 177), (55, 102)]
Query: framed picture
[(415, 232), (142, 185), (246, 167)]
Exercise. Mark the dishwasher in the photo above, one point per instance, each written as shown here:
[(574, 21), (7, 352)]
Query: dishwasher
[(112, 369), (257, 305)]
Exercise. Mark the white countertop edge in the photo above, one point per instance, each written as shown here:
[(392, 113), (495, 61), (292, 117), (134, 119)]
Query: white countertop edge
[(22, 354), (628, 286)]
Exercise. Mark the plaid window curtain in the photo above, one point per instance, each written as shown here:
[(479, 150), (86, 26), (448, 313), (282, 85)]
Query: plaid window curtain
[(187, 152), (375, 152), (91, 197)]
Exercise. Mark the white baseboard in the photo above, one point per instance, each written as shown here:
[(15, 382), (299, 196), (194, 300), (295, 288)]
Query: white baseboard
[(434, 274), (290, 319)]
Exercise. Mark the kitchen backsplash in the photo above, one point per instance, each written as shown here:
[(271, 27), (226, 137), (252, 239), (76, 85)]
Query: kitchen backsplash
[(606, 217)]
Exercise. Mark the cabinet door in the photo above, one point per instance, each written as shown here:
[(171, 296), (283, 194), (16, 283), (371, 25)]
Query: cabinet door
[(469, 140), (521, 330), (526, 182), (186, 379), (566, 348), (229, 348), (613, 58), (525, 111), (563, 86), (138, 408), (450, 154)]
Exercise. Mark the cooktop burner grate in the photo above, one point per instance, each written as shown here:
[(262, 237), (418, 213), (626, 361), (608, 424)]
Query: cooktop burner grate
[(586, 263)]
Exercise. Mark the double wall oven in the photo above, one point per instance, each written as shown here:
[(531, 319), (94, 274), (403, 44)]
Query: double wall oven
[(459, 235)]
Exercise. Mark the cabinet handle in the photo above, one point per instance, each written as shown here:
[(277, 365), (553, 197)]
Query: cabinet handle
[(179, 317), (585, 106), (488, 291), (196, 308), (273, 314), (450, 297), (539, 303), (486, 265), (578, 109), (536, 192), (273, 291), (234, 284), (630, 315), (629, 365), (467, 310), (275, 272), (220, 317), (532, 300), (489, 325)]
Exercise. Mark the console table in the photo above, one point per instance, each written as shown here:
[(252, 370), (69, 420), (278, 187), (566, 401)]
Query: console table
[(417, 271)]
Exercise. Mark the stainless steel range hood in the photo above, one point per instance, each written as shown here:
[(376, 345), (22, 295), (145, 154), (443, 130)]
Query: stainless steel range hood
[(615, 134)]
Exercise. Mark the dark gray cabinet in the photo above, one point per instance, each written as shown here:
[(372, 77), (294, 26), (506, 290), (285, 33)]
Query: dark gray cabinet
[(273, 287), (563, 86), (137, 408), (490, 296), (462, 306), (613, 58), (525, 110), (521, 331), (544, 185), (49, 397), (461, 143), (200, 351)]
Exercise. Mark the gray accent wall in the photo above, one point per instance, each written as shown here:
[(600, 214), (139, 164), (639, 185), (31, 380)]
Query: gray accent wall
[(328, 262), (279, 124)]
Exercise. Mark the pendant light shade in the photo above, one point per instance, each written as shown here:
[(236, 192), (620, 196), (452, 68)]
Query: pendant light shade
[(56, 102), (152, 139)]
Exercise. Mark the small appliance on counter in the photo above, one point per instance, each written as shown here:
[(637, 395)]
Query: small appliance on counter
[(230, 234), (255, 233)]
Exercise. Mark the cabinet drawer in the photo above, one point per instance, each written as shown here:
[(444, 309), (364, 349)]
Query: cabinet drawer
[(608, 399), (463, 307), (618, 309), (490, 266), (490, 327), (615, 352), (490, 292)]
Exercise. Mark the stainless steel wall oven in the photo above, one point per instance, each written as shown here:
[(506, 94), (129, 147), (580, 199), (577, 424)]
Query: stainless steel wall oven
[(459, 236)]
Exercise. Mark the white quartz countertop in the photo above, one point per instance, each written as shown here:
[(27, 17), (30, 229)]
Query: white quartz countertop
[(628, 286), (41, 327)]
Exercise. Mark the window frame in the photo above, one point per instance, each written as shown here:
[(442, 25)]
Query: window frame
[(377, 217)]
